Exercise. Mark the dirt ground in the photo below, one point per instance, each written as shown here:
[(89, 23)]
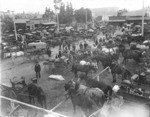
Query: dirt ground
[(54, 89)]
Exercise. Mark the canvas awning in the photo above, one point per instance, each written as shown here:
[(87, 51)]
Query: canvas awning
[(49, 23)]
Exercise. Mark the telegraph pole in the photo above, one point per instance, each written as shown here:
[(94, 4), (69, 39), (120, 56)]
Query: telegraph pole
[(86, 17), (14, 25), (57, 7), (57, 22), (143, 20)]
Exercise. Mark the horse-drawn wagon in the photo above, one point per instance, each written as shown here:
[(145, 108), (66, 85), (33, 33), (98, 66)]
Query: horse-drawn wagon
[(35, 49), (134, 93), (15, 91), (62, 62)]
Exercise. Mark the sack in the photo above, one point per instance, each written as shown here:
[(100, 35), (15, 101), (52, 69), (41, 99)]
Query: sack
[(83, 62), (57, 77)]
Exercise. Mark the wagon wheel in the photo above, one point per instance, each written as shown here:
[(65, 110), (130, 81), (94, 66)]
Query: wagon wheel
[(8, 106)]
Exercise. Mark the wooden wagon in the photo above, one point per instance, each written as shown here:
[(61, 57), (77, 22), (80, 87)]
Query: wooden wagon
[(128, 92), (62, 62)]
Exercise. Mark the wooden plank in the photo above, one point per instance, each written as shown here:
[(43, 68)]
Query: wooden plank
[(35, 107)]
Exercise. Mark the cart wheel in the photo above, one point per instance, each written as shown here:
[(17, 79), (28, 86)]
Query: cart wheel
[(7, 105)]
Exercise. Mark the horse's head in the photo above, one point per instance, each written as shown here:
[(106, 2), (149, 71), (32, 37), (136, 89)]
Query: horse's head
[(70, 86), (93, 67), (83, 76)]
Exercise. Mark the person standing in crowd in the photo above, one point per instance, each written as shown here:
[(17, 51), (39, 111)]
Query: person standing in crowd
[(59, 54), (37, 70), (49, 52), (56, 56), (64, 44), (53, 68), (81, 46), (73, 47), (96, 42), (85, 45), (68, 46), (13, 56)]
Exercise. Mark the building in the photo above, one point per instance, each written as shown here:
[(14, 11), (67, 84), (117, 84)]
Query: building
[(134, 17), (117, 20), (30, 23), (21, 24)]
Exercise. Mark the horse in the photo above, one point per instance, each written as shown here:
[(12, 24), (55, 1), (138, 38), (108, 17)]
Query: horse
[(135, 53), (107, 89), (84, 97), (106, 60), (36, 92), (131, 54), (83, 68), (120, 70)]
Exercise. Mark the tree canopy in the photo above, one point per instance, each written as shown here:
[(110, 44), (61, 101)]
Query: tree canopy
[(66, 13), (7, 23), (80, 15), (48, 15), (121, 12)]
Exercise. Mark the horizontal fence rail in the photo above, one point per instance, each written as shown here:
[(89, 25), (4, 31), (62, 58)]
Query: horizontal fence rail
[(98, 74), (35, 107)]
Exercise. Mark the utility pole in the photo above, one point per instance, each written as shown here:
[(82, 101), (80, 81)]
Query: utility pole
[(14, 25), (57, 7), (57, 22), (86, 18), (143, 20)]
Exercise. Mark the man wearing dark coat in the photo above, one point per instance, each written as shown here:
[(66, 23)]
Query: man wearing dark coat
[(85, 45), (49, 52), (37, 70)]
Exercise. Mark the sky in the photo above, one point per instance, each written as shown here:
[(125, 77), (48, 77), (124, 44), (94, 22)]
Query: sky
[(32, 6)]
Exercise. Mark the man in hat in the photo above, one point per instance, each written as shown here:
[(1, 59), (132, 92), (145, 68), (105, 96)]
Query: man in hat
[(49, 52), (37, 70), (85, 45), (53, 68)]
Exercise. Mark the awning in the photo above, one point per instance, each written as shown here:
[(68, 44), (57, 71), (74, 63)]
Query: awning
[(116, 20), (49, 23)]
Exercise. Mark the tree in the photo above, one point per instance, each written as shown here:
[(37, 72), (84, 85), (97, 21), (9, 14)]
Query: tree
[(69, 13), (7, 23), (121, 12), (48, 15), (66, 13), (80, 15), (62, 13)]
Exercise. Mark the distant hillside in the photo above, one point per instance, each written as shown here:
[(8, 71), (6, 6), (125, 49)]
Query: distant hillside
[(105, 11)]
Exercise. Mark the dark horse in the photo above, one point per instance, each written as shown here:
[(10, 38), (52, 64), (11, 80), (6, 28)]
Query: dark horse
[(37, 92), (83, 68), (33, 91), (84, 97), (135, 54), (120, 70), (106, 60), (107, 89)]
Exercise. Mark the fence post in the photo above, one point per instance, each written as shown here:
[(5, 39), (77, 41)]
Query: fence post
[(98, 78)]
